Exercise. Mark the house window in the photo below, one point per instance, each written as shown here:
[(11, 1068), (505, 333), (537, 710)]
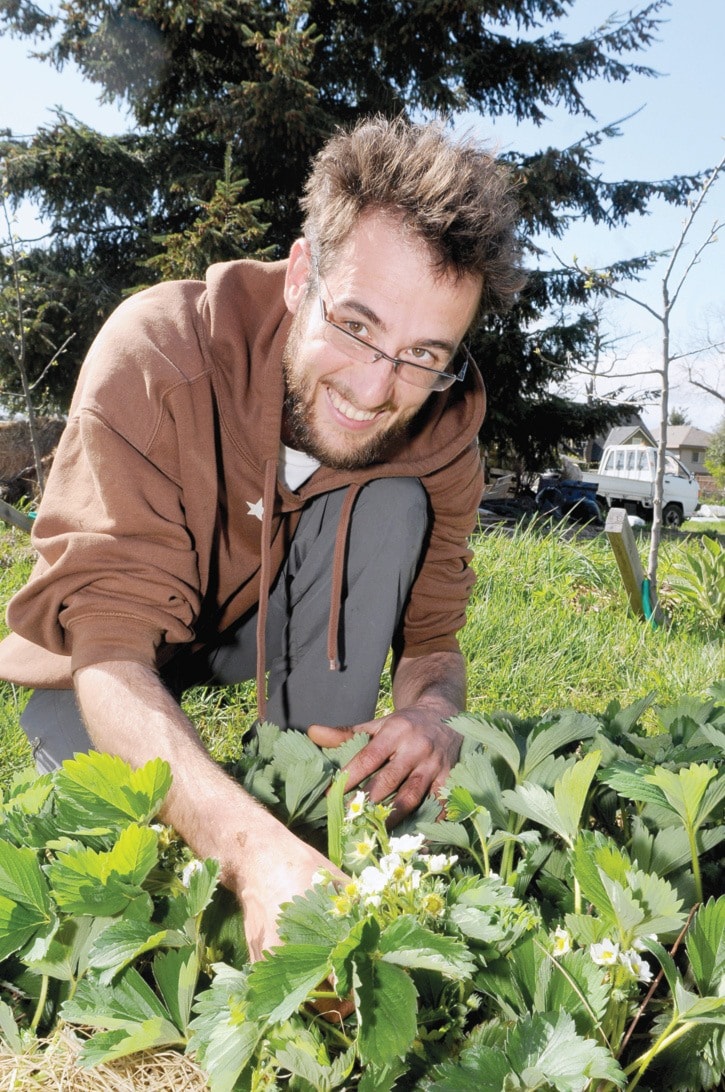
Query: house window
[(696, 456)]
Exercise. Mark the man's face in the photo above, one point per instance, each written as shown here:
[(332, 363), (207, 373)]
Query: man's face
[(382, 286)]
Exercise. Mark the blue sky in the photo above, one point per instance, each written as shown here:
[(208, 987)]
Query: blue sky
[(679, 128)]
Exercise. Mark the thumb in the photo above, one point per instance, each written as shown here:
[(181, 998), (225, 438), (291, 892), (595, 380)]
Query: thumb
[(329, 737)]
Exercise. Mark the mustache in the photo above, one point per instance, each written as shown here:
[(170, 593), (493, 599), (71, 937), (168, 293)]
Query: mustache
[(389, 406)]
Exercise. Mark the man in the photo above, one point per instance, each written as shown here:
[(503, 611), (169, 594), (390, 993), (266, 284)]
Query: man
[(277, 470)]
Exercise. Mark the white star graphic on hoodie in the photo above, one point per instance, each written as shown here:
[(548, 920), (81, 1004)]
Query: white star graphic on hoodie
[(256, 509)]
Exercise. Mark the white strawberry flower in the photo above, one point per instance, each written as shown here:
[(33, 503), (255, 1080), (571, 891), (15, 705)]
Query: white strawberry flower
[(636, 966), (605, 954), (407, 843), (364, 848), (190, 870), (440, 862), (356, 806), (562, 942), (371, 881)]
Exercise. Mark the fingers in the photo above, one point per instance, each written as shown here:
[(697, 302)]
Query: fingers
[(329, 737)]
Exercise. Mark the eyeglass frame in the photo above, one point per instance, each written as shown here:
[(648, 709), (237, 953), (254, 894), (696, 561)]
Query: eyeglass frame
[(378, 354)]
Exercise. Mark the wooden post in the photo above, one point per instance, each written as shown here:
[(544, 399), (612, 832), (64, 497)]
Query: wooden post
[(624, 548), (17, 519)]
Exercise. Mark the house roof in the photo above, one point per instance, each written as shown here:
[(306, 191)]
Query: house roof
[(679, 436), (622, 434)]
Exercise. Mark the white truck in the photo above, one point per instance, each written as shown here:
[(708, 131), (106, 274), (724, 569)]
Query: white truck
[(626, 479)]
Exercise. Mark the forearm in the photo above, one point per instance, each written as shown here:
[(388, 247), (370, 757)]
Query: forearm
[(437, 681), (129, 712)]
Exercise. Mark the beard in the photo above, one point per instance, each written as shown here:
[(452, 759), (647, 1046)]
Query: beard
[(303, 433)]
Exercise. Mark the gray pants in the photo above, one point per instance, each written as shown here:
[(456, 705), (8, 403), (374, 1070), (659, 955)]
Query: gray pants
[(387, 529)]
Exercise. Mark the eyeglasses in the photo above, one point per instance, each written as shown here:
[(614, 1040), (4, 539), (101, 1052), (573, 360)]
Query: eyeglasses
[(358, 349)]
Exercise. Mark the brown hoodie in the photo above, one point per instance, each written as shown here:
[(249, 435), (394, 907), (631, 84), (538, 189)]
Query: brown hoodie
[(150, 532)]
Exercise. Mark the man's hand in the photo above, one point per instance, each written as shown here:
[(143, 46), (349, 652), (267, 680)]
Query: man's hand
[(410, 753), (280, 869)]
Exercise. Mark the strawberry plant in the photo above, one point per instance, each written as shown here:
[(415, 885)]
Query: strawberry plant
[(560, 927)]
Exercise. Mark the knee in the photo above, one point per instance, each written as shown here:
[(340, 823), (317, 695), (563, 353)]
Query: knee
[(399, 506)]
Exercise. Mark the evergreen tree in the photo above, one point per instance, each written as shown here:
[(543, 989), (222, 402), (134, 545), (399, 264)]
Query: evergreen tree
[(230, 98)]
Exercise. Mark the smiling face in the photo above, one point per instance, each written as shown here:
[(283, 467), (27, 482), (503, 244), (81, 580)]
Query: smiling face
[(383, 287)]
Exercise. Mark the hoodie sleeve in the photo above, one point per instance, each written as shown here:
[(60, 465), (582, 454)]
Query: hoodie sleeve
[(118, 571), (436, 609)]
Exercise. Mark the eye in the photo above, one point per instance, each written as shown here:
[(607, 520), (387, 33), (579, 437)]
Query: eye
[(359, 329), (427, 357)]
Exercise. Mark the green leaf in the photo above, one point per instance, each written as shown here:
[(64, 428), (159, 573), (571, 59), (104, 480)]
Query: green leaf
[(63, 953), (684, 790), (659, 901), (336, 817), (17, 925), (493, 738), (145, 1035), (666, 962), (105, 789), (386, 1005), (459, 804), (475, 772), (408, 944), (279, 984), (578, 987), (202, 885), (570, 792), (445, 833), (128, 1001), (307, 920), (176, 973), (592, 860), (628, 779), (304, 783), (9, 1031), (86, 882), (537, 804), (479, 1067), (229, 1050), (548, 1045), (702, 1010), (318, 1075), (570, 727), (216, 1005), (123, 941), (21, 878), (705, 943)]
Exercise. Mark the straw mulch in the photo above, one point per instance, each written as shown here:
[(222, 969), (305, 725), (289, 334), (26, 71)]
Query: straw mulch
[(51, 1065)]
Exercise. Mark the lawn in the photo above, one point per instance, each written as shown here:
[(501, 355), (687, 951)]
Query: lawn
[(548, 627), (567, 855)]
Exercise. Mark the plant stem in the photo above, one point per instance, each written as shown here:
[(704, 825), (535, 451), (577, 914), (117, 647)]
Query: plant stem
[(666, 1039), (42, 998), (696, 874)]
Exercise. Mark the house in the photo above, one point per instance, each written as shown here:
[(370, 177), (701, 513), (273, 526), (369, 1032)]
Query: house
[(634, 432), (689, 444)]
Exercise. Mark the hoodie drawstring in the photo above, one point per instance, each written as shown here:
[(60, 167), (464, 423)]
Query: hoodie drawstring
[(268, 495), (338, 574), (337, 580)]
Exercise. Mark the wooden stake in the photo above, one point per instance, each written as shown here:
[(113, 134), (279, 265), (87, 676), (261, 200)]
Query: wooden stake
[(624, 548)]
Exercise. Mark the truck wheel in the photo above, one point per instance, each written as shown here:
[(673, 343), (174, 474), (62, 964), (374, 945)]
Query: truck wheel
[(672, 515)]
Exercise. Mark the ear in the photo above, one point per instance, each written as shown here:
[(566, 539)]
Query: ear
[(299, 270)]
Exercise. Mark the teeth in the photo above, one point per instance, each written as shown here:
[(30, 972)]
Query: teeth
[(343, 406)]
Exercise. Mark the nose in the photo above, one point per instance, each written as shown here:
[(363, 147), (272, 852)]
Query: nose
[(372, 382)]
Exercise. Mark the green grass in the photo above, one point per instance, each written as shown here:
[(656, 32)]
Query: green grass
[(548, 627)]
